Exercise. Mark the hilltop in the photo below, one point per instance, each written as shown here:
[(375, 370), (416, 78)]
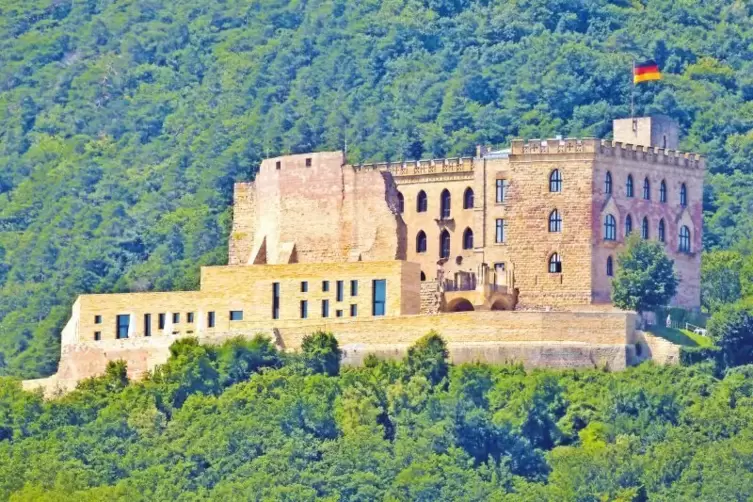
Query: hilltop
[(124, 124)]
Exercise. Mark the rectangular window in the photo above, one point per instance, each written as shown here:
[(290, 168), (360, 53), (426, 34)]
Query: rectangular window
[(501, 190), (161, 321), (338, 313), (304, 309), (379, 297), (176, 318), (325, 308), (97, 336), (189, 317), (210, 319), (499, 236), (97, 319), (325, 286), (276, 300), (236, 315), (304, 287), (340, 291), (147, 324), (353, 288), (122, 323), (308, 162), (353, 310), (278, 165)]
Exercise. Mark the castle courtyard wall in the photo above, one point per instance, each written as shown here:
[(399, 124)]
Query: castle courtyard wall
[(553, 339)]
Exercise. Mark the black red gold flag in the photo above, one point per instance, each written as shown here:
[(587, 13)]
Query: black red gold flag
[(646, 72)]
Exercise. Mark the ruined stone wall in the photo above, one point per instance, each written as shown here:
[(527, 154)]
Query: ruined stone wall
[(241, 240), (312, 209), (431, 298)]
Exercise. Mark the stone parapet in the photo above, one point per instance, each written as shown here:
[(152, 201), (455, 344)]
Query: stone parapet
[(421, 167), (607, 148)]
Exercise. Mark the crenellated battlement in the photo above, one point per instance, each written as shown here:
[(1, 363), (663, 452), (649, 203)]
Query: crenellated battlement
[(608, 148), (420, 167)]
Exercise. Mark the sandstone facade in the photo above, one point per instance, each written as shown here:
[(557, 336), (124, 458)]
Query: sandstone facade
[(379, 254)]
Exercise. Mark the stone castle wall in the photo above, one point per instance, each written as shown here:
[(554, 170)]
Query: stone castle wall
[(555, 339), (313, 209)]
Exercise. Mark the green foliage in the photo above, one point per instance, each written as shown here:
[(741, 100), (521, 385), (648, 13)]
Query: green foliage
[(428, 358), (731, 328), (281, 432), (124, 125), (720, 279), (321, 353), (645, 278)]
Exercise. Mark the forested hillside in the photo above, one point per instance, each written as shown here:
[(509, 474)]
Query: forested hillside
[(123, 124), (243, 422)]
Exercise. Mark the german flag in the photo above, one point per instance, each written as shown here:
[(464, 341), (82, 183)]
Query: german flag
[(646, 71)]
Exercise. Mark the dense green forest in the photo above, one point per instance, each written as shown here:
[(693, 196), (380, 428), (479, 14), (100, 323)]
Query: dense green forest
[(243, 422), (124, 124)]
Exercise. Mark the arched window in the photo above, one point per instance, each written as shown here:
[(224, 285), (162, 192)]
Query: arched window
[(646, 189), (684, 245), (468, 198), (444, 244), (555, 264), (400, 203), (608, 183), (683, 195), (468, 239), (421, 202), (423, 276), (662, 231), (663, 191), (628, 225), (610, 266), (629, 186), (555, 181), (445, 203), (421, 242), (644, 228), (555, 221), (610, 228)]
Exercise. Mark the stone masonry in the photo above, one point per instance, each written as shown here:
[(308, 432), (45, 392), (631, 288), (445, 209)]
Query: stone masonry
[(381, 253)]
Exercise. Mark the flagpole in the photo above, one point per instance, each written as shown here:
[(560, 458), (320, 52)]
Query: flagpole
[(632, 91)]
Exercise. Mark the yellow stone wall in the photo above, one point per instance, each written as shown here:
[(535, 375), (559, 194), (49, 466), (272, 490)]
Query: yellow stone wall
[(249, 289)]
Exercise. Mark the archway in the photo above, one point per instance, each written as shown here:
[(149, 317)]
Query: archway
[(460, 305), (500, 305)]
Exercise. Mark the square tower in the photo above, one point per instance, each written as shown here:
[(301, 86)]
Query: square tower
[(654, 131)]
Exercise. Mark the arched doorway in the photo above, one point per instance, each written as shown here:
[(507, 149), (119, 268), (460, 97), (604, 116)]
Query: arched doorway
[(460, 305)]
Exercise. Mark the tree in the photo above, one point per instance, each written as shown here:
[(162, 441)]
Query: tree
[(428, 357), (720, 279), (645, 278), (731, 328), (321, 353)]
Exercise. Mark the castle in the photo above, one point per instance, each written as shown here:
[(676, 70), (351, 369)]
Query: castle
[(508, 254)]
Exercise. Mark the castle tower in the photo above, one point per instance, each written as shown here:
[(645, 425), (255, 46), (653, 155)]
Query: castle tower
[(655, 131)]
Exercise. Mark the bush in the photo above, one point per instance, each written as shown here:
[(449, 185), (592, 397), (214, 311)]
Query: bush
[(321, 353), (428, 357), (696, 355), (731, 329)]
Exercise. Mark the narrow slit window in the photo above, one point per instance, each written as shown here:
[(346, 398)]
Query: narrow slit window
[(147, 324), (210, 320), (276, 300)]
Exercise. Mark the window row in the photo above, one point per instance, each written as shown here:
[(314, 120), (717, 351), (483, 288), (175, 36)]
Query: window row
[(445, 239), (629, 189), (339, 288), (610, 231), (378, 290), (445, 202), (123, 322), (304, 309)]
